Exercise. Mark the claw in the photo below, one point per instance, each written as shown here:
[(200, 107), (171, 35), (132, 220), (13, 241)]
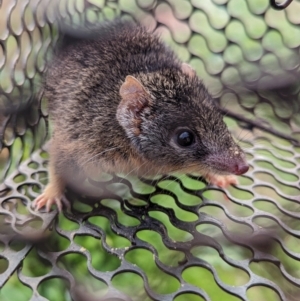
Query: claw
[(45, 200), (222, 181)]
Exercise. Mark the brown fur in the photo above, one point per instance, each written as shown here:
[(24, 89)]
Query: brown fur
[(106, 120)]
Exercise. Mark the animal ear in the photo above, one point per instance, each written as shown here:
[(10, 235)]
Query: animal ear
[(187, 69), (135, 99), (131, 87)]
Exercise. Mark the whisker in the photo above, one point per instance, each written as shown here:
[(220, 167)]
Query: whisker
[(157, 173), (138, 179), (180, 168), (172, 181), (136, 168), (224, 108), (247, 133), (133, 183), (97, 155), (238, 136)]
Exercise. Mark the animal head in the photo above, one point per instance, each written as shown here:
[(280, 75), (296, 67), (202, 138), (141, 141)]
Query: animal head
[(172, 120)]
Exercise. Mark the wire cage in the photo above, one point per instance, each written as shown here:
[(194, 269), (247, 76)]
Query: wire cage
[(171, 237)]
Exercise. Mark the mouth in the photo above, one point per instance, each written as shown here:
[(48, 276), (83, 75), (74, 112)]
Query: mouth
[(228, 166), (237, 170)]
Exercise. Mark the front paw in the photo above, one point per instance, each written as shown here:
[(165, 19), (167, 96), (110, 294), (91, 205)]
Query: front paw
[(222, 181), (49, 198)]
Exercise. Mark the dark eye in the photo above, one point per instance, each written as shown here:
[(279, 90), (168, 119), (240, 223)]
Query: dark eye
[(185, 138)]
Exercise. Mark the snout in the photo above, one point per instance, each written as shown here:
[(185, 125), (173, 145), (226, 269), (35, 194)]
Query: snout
[(226, 163), (241, 168)]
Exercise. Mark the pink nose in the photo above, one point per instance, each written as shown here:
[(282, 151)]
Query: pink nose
[(241, 169)]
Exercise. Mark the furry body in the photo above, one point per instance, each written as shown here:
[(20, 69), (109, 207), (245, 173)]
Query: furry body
[(117, 98)]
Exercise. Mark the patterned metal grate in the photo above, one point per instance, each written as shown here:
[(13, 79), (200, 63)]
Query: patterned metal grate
[(169, 238)]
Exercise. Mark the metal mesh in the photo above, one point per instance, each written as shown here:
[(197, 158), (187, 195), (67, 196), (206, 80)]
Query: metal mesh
[(169, 238)]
